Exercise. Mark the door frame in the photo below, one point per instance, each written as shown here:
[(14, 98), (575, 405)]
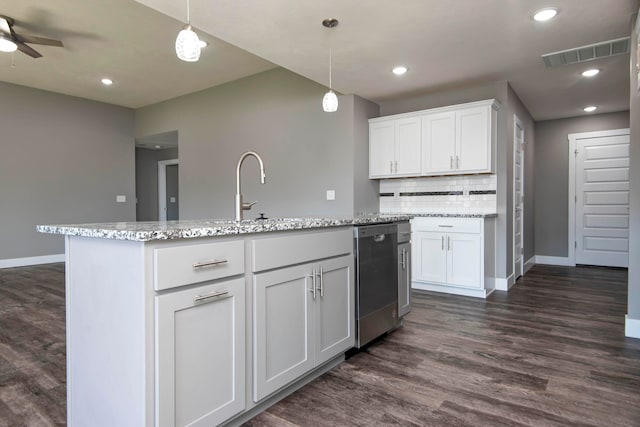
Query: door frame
[(162, 187), (517, 123), (572, 196)]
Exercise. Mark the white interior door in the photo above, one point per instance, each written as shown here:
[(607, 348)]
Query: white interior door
[(518, 199), (602, 200)]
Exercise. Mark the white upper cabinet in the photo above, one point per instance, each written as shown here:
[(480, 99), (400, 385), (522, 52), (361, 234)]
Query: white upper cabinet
[(439, 146), (381, 149), (473, 142), (453, 140), (394, 148)]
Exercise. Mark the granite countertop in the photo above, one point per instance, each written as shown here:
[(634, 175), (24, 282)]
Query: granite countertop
[(453, 215), (186, 229)]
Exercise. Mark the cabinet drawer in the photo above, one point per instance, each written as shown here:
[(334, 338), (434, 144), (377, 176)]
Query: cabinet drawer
[(182, 265), (447, 225), (279, 252)]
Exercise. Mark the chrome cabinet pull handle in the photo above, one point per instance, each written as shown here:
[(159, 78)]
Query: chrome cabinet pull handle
[(390, 166), (210, 263), (443, 243), (445, 226), (404, 259), (396, 163), (448, 242), (450, 162), (210, 297), (313, 283), (320, 276), (457, 162)]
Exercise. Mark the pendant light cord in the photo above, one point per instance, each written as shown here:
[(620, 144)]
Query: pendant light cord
[(188, 13), (329, 67)]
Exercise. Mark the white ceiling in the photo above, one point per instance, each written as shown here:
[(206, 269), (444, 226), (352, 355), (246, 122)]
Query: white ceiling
[(445, 44)]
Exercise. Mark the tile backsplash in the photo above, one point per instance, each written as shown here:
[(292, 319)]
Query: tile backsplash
[(442, 194)]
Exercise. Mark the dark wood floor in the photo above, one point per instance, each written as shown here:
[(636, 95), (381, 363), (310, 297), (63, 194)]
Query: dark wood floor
[(551, 352), (32, 346)]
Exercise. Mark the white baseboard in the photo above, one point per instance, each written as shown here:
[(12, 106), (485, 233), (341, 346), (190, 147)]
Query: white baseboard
[(528, 264), (552, 260), (631, 327), (35, 260), (505, 284)]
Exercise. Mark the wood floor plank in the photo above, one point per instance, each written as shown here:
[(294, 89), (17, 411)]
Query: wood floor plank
[(551, 352)]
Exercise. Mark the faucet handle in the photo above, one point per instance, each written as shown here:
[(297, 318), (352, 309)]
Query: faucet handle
[(247, 206)]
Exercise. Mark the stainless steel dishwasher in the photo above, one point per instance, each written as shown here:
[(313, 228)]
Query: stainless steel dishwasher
[(376, 250)]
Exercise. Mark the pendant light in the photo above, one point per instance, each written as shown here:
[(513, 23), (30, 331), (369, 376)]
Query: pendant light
[(330, 100), (187, 42)]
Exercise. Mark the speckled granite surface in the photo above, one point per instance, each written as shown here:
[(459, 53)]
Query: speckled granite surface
[(455, 215), (154, 230)]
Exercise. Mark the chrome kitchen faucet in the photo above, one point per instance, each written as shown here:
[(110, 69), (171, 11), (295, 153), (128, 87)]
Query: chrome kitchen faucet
[(240, 206)]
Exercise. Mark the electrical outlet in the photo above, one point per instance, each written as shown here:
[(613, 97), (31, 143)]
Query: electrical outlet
[(121, 199), (331, 194)]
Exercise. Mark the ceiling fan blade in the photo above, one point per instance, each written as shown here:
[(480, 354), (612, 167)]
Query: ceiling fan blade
[(39, 40), (4, 26), (28, 50)]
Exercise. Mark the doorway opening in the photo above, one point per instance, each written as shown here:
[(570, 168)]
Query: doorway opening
[(168, 208), (150, 151)]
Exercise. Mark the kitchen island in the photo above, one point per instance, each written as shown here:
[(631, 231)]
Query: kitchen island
[(203, 322)]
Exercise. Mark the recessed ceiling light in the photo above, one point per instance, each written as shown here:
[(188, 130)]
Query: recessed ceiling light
[(157, 147), (202, 43), (590, 108), (399, 70), (107, 82), (545, 14), (590, 73)]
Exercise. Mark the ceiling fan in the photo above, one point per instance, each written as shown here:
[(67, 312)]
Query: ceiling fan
[(10, 41)]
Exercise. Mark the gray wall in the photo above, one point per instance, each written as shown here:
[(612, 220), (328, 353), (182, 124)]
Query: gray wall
[(552, 176), (499, 91), (277, 114), (516, 107), (634, 209), (366, 191), (147, 181), (64, 160)]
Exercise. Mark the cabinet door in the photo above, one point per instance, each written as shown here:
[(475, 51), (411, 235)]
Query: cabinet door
[(429, 257), (335, 308), (472, 140), (463, 259), (404, 279), (200, 355), (283, 341), (407, 149), (438, 142), (381, 149)]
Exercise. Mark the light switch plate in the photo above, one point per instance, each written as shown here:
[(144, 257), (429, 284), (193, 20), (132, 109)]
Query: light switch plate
[(331, 194), (121, 199), (172, 199)]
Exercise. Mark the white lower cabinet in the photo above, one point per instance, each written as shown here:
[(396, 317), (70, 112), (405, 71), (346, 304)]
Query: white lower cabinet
[(454, 255), (303, 317), (200, 354)]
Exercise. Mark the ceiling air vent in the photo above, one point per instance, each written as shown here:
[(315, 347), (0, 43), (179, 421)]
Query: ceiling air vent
[(587, 53)]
